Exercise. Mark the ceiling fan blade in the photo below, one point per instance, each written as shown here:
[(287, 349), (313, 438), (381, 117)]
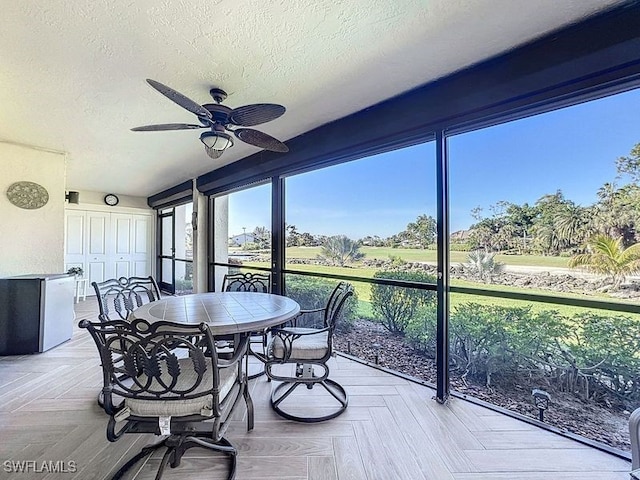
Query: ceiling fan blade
[(180, 99), (260, 139), (166, 126), (255, 114)]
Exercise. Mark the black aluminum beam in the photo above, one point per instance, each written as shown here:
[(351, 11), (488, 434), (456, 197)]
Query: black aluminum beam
[(277, 235), (442, 293), (181, 193)]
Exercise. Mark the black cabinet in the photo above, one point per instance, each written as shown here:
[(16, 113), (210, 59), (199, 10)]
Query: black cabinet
[(36, 312)]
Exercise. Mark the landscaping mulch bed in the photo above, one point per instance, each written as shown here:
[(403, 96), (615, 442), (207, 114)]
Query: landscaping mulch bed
[(367, 339)]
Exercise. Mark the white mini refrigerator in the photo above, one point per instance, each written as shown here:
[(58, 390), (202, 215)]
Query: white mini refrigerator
[(36, 312)]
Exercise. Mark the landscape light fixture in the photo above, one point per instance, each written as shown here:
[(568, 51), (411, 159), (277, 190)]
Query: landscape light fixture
[(215, 143), (376, 348), (541, 400)]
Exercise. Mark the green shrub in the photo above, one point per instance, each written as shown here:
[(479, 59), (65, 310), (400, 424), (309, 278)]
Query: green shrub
[(478, 341), (312, 293), (594, 356), (395, 307), (605, 351), (421, 330), (397, 261), (488, 340)]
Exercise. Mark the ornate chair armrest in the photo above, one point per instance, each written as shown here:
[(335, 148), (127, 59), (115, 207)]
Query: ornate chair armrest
[(297, 331), (294, 321), (312, 310), (239, 351)]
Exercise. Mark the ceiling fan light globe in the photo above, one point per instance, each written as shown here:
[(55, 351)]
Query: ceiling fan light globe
[(216, 140), (213, 153)]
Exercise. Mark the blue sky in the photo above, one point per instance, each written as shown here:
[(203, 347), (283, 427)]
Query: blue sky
[(573, 149)]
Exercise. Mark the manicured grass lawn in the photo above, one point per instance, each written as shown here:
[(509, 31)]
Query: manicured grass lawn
[(528, 260), (364, 291), (418, 255), (457, 298)]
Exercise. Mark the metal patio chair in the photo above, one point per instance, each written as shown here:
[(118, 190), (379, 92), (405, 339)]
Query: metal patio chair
[(250, 282), (634, 435), (309, 349), (117, 298), (247, 282), (168, 381)]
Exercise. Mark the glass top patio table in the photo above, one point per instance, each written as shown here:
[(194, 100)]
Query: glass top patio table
[(225, 312)]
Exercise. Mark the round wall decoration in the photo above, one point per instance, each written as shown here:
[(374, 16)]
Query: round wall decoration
[(28, 195), (111, 199)]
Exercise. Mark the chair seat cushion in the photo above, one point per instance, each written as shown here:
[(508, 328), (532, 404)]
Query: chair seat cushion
[(179, 408), (306, 347)]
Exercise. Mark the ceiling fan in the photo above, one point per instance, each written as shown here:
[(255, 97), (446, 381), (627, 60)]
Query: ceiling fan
[(220, 119)]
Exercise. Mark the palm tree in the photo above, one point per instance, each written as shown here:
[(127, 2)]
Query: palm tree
[(340, 249), (546, 237), (618, 211), (481, 264), (607, 256), (571, 225)]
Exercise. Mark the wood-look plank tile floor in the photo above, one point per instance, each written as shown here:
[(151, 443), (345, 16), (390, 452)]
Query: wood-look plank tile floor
[(392, 429)]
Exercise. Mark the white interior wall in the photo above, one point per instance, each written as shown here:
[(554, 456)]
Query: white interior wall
[(88, 197), (31, 241)]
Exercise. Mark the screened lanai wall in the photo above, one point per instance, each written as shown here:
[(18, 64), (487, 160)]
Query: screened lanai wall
[(584, 63)]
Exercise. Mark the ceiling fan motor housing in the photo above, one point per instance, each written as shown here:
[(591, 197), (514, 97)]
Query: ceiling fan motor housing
[(218, 94), (219, 113)]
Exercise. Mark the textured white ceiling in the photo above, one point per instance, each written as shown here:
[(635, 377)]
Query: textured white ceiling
[(72, 73)]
